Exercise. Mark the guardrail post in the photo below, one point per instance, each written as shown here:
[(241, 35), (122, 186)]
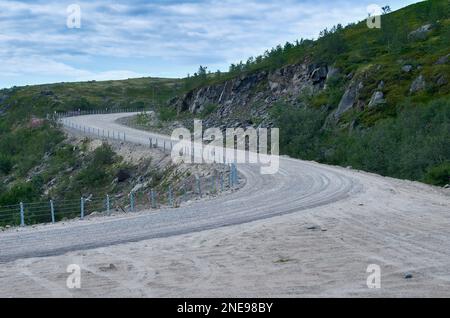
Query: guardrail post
[(213, 184), (152, 194), (107, 204), (199, 187), (82, 208), (184, 191), (22, 215), (230, 177), (234, 173), (132, 201), (171, 201), (52, 211)]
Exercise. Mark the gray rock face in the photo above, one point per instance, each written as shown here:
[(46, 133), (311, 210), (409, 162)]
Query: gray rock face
[(418, 84), (377, 99), (421, 33), (349, 99), (319, 74), (332, 72), (260, 88)]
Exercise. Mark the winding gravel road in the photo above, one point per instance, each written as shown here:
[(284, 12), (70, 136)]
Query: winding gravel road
[(297, 186)]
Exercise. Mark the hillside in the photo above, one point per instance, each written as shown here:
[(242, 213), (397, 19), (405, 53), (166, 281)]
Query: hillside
[(374, 99), (38, 161)]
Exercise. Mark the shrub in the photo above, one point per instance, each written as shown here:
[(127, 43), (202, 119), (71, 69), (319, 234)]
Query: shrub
[(104, 155), (439, 175), (5, 164), (167, 113)]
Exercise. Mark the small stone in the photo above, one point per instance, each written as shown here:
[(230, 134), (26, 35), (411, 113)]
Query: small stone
[(441, 80), (443, 60), (407, 68), (111, 267)]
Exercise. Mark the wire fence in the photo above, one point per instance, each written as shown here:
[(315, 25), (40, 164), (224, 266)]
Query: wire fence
[(52, 211), (172, 195)]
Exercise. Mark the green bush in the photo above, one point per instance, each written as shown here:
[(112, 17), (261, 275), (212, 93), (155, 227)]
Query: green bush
[(167, 113), (208, 110), (411, 145), (21, 192), (439, 175), (5, 164), (103, 155)]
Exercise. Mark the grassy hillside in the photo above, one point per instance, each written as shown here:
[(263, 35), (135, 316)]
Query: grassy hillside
[(406, 135), (34, 153)]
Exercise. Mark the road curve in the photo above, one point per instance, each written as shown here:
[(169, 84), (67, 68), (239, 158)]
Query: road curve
[(298, 185)]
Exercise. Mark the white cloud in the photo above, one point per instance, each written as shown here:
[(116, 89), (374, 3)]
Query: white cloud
[(203, 32)]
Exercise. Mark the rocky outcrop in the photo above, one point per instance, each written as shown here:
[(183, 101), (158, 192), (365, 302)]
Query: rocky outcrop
[(263, 89), (4, 105)]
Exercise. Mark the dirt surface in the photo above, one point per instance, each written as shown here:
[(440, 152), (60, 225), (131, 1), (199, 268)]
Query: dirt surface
[(311, 230)]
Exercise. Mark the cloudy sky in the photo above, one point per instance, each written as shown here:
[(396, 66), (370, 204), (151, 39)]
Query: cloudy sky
[(135, 38)]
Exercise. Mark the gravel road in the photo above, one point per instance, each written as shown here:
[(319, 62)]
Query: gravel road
[(309, 230), (297, 186)]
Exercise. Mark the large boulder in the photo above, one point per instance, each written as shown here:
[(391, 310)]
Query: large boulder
[(377, 99), (417, 85), (443, 60), (349, 99), (420, 33), (441, 80)]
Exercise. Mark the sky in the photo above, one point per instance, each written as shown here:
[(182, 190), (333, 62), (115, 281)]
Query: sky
[(137, 38)]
